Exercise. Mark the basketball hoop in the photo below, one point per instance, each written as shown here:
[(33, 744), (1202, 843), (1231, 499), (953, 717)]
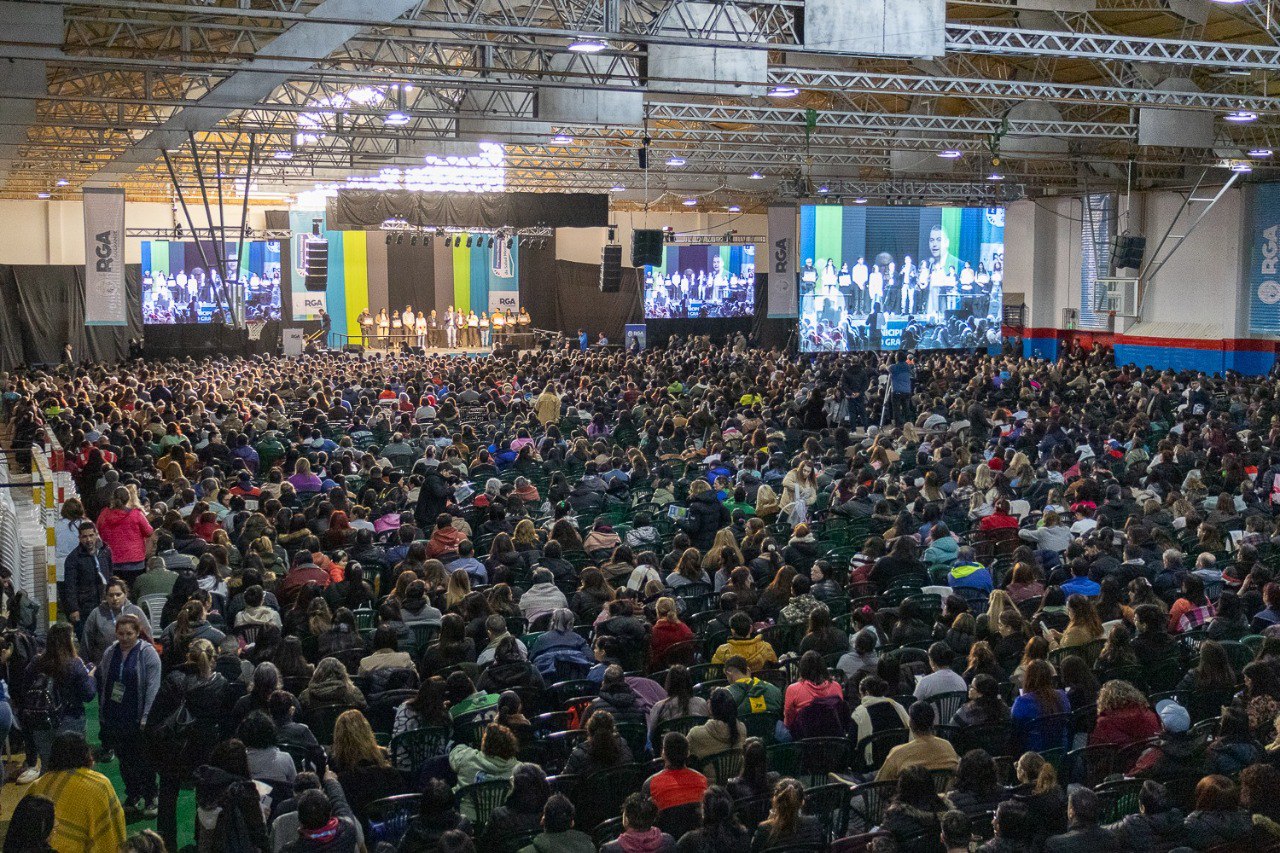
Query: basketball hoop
[(255, 330)]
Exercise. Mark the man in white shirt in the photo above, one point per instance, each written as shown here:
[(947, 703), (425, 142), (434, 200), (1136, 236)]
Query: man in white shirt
[(942, 679), (860, 275)]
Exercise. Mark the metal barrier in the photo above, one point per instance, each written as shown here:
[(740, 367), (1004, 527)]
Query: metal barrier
[(52, 486)]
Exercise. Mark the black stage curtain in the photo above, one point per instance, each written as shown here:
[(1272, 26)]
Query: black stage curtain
[(42, 309), (361, 210), (769, 333), (565, 296)]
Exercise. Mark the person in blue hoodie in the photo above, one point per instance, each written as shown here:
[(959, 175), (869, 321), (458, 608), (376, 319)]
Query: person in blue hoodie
[(968, 573)]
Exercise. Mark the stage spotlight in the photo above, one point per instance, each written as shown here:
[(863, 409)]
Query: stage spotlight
[(469, 238), (388, 239), (510, 242), (399, 239), (491, 242), (413, 241)]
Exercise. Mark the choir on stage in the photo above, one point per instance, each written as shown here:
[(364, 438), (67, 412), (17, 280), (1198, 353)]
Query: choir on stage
[(455, 329)]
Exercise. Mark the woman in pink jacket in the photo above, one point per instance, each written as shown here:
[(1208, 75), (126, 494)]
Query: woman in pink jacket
[(813, 687), (125, 531)]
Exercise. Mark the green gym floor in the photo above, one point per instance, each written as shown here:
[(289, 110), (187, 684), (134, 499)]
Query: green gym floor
[(12, 792)]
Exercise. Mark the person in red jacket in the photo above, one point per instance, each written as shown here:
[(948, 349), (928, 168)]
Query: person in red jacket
[(1001, 519), (675, 784), (1124, 717), (667, 632)]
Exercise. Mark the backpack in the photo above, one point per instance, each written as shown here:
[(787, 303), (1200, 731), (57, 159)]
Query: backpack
[(41, 706), (240, 826), (174, 730)]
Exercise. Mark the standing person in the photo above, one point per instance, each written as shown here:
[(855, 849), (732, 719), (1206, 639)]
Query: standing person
[(420, 329), (180, 746), (410, 324), (460, 319), (875, 326), (128, 683), (100, 625), (397, 330), (450, 328), (58, 684), (365, 321), (860, 276), (473, 330), (486, 332), (85, 574), (900, 383), (125, 531), (434, 338), (87, 813), (501, 328), (384, 329)]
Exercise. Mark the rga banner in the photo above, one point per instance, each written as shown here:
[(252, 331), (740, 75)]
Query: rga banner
[(307, 305), (1264, 257), (780, 258), (104, 291)]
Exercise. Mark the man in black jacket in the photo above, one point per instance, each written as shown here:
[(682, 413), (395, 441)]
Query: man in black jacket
[(85, 574), (433, 495), (1084, 834)]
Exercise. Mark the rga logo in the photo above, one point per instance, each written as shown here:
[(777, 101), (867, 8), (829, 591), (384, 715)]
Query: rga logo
[(782, 255), (106, 252), (507, 301), (1269, 290), (312, 302)]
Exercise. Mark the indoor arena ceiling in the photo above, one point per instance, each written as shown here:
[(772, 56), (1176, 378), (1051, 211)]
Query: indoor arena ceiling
[(319, 91)]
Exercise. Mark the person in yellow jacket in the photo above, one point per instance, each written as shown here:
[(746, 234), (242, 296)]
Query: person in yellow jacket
[(88, 817), (756, 652), (547, 407)]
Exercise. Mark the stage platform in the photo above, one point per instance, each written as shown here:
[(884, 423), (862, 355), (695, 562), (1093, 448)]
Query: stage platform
[(469, 352)]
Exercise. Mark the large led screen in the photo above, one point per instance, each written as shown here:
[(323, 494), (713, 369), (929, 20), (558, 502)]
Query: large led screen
[(889, 278), (702, 281), (178, 285)]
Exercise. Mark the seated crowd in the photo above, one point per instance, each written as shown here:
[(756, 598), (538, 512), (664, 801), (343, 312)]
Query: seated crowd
[(695, 599)]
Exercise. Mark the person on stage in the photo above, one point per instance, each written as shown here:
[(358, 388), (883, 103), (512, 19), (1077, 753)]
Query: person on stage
[(808, 277), (384, 328), (434, 338), (861, 276), (500, 327), (450, 328), (875, 288), (908, 299), (365, 321), (409, 322), (940, 256), (844, 281), (473, 330), (460, 320), (420, 327), (486, 331), (397, 331)]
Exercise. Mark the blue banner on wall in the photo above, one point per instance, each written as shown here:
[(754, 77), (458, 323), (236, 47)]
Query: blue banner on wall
[(1264, 258)]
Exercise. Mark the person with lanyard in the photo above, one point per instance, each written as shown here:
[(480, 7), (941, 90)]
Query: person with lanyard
[(128, 682), (486, 331), (461, 320), (366, 327), (384, 328)]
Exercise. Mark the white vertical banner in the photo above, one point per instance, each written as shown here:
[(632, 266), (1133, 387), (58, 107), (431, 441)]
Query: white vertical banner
[(104, 290), (781, 261)]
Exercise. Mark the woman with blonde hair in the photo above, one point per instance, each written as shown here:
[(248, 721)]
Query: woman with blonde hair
[(459, 588), (767, 505), (363, 767), (724, 542), (786, 826), (1083, 624), (331, 685), (668, 631)]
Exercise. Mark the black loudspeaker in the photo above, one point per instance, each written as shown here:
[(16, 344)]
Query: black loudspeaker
[(1128, 251), (646, 247), (315, 262), (611, 269), (354, 348)]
